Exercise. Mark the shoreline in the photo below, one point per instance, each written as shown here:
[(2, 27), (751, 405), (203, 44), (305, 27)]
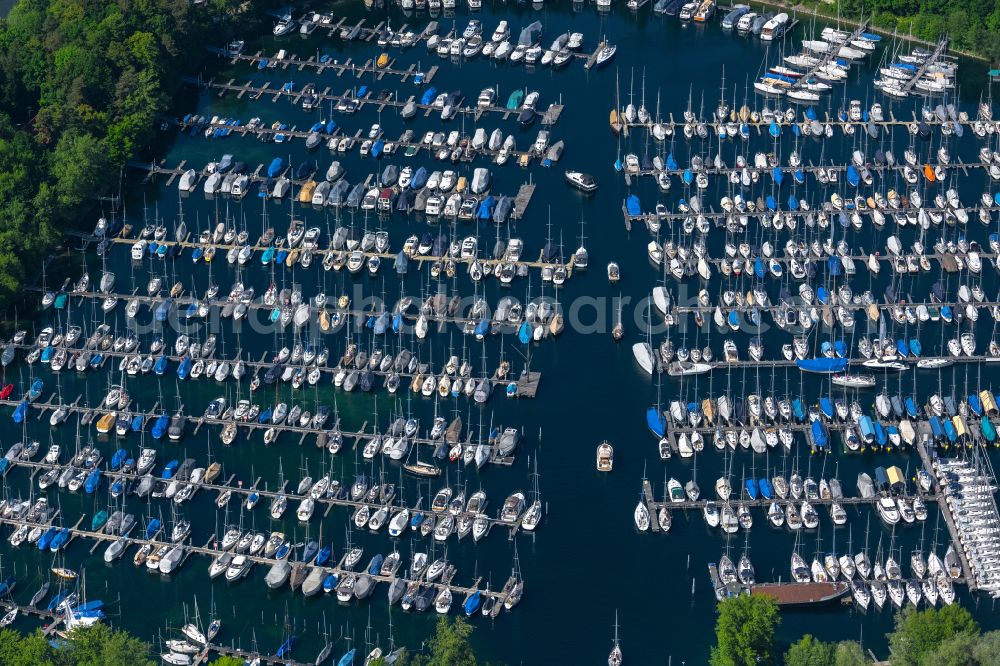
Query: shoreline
[(810, 11)]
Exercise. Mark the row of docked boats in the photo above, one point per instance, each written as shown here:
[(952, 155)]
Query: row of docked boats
[(237, 553), (527, 48), (453, 146), (821, 64), (942, 120), (449, 509), (357, 251), (879, 583), (761, 424), (764, 169), (301, 365), (969, 488)]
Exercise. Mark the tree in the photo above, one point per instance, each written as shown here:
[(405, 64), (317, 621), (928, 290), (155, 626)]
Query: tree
[(810, 652), (849, 653), (987, 650), (17, 650), (227, 660), (744, 631), (99, 645), (78, 165), (81, 86), (918, 633), (450, 645), (955, 651)]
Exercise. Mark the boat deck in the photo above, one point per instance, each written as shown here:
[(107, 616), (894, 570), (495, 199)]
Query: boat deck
[(884, 170), (267, 133), (207, 550), (939, 50), (830, 56), (240, 491), (801, 594), (339, 68), (357, 437), (256, 92), (719, 218), (761, 127), (949, 520), (42, 614), (418, 258)]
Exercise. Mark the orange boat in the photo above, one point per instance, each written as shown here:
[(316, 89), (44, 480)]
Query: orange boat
[(616, 123), (929, 173)]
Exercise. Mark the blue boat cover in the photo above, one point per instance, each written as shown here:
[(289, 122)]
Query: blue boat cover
[(656, 422), (989, 432), (866, 428), (826, 406), (798, 410), (822, 365), (819, 434), (975, 405)]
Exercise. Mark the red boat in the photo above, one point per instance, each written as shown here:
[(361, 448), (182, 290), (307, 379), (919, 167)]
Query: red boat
[(6, 391)]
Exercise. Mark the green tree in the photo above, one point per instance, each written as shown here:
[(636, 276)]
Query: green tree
[(744, 631), (18, 650), (100, 645), (81, 86), (849, 653), (987, 649), (450, 645), (226, 660), (918, 633), (810, 652), (78, 164), (957, 651)]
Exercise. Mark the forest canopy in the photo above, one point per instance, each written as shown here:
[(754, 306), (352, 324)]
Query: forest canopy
[(82, 83)]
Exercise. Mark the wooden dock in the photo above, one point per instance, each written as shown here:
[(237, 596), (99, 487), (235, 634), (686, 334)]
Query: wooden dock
[(249, 88), (737, 499), (266, 133), (883, 170), (523, 198), (339, 68), (357, 438), (191, 549), (760, 125), (939, 50), (949, 519), (241, 490), (53, 619), (832, 55)]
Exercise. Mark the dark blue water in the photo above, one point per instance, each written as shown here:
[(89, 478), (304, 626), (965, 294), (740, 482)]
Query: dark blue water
[(586, 561)]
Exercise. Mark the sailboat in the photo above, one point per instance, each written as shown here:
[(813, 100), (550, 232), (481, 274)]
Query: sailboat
[(615, 657)]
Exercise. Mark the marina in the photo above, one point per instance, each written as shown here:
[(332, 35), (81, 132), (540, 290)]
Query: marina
[(304, 341)]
